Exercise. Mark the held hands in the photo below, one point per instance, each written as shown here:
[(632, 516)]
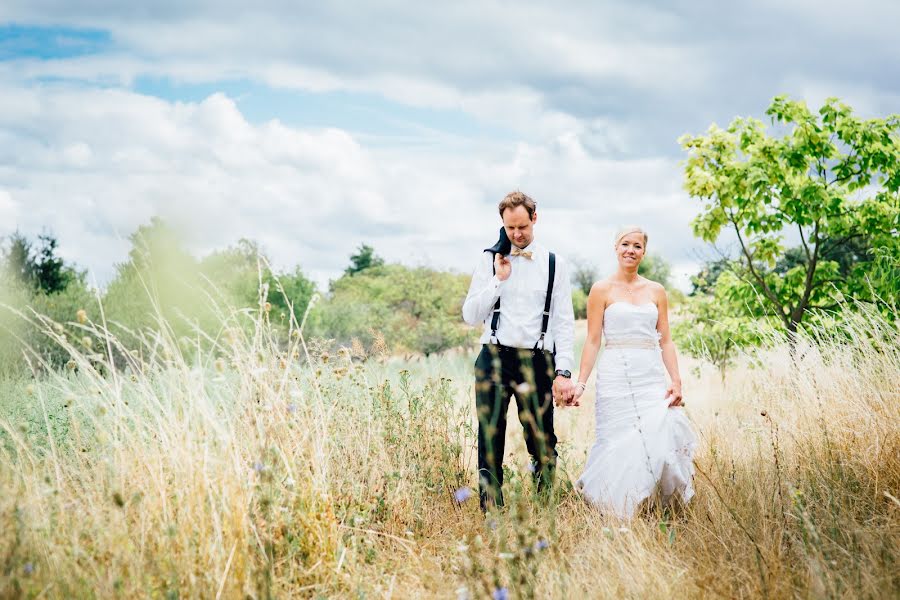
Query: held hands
[(564, 392), (502, 267), (673, 394)]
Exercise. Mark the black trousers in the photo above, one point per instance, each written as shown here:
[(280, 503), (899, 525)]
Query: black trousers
[(501, 372)]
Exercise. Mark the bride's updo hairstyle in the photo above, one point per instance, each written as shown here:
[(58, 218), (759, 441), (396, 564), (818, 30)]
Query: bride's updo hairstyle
[(630, 229)]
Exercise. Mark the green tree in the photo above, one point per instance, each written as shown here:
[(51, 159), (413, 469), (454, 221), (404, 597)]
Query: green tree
[(241, 271), (411, 309), (830, 180), (18, 260), (656, 268), (38, 267), (583, 276), (579, 303), (717, 328), (365, 258), (704, 282), (51, 273)]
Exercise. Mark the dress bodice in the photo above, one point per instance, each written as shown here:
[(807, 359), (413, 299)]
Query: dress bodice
[(627, 321)]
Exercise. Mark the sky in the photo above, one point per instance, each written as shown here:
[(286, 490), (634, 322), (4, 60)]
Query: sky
[(314, 127)]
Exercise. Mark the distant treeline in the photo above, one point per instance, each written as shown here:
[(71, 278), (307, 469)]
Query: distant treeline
[(389, 307)]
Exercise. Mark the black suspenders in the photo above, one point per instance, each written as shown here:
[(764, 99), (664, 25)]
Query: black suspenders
[(495, 320)]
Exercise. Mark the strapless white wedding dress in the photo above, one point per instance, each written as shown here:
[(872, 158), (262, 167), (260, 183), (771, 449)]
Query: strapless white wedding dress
[(642, 446)]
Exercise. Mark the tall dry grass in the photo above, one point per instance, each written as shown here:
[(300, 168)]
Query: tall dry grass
[(230, 466)]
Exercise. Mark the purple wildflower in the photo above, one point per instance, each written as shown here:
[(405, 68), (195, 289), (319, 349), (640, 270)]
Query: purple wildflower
[(542, 545), (258, 467), (531, 467), (501, 594), (28, 568), (292, 408), (462, 494)]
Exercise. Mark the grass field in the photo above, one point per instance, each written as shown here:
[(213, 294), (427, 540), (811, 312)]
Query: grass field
[(231, 467)]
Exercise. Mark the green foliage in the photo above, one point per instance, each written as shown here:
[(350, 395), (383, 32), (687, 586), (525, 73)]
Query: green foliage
[(583, 276), (365, 258), (579, 303), (716, 327), (704, 282), (160, 286), (656, 268), (38, 267), (161, 279), (35, 280), (410, 309), (18, 260), (832, 180), (240, 273)]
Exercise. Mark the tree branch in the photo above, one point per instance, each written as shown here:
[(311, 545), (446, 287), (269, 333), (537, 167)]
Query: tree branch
[(797, 313), (762, 283), (803, 241)]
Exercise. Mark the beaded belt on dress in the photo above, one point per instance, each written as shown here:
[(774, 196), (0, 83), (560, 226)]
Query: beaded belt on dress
[(637, 343)]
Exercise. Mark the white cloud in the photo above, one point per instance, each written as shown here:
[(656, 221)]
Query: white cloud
[(8, 211), (93, 165), (590, 100)]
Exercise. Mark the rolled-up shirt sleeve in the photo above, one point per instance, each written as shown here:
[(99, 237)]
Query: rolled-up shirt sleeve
[(483, 291), (562, 318)]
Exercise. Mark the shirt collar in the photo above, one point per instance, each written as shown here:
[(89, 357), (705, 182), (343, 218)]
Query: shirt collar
[(532, 247)]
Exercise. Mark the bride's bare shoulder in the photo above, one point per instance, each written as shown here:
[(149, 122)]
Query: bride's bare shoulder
[(601, 288)]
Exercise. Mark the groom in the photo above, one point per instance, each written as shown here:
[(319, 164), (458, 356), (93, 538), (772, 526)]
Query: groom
[(521, 293)]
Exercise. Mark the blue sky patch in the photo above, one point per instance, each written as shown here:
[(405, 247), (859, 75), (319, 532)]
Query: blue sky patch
[(44, 43), (357, 112)]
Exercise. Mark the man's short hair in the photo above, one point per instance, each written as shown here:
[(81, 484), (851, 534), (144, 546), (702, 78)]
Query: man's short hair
[(517, 198)]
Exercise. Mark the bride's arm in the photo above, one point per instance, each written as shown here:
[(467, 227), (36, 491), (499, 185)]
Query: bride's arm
[(596, 306), (669, 356)]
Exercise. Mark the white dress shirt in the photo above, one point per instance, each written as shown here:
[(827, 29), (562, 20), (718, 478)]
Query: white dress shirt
[(522, 298)]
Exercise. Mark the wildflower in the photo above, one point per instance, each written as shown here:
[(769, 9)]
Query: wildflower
[(292, 408), (81, 316), (501, 594), (462, 548), (541, 545), (71, 364), (623, 530), (28, 568), (462, 494), (258, 466), (531, 467), (87, 342), (58, 328), (506, 556), (289, 482), (608, 532), (267, 306), (462, 594), (295, 334)]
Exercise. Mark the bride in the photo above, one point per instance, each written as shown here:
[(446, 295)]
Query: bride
[(644, 443)]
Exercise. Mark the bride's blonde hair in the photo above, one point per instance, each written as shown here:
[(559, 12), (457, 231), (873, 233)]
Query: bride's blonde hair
[(630, 229)]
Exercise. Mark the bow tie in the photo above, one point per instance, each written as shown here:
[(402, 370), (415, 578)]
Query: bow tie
[(524, 253)]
